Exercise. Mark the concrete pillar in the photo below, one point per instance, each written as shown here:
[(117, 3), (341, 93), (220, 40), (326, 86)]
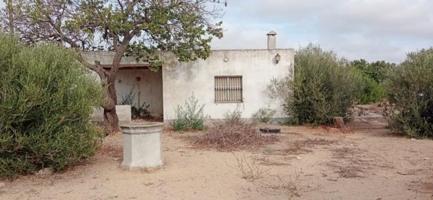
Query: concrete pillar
[(142, 145), (272, 40)]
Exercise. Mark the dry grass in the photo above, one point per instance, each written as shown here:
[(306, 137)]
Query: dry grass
[(344, 153), (112, 151), (348, 162), (233, 136), (304, 146), (287, 185), (270, 162), (349, 171), (250, 169)]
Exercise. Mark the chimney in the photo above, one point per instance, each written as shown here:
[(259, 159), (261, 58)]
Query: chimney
[(272, 40)]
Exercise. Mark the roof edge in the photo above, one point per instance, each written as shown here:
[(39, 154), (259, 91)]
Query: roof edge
[(277, 49)]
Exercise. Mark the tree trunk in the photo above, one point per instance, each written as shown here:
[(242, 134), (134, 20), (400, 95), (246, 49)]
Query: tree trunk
[(108, 78), (110, 116), (111, 121)]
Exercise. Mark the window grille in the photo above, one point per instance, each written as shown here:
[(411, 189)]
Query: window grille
[(228, 89)]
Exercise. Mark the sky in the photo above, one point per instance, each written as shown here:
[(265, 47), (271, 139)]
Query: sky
[(353, 29)]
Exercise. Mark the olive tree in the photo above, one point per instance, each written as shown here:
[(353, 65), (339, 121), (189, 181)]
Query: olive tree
[(410, 94), (46, 98), (145, 29)]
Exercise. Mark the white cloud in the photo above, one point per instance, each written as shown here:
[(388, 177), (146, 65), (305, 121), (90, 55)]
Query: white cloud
[(372, 29), (246, 36)]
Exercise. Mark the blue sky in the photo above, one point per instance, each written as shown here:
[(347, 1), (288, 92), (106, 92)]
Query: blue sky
[(370, 29)]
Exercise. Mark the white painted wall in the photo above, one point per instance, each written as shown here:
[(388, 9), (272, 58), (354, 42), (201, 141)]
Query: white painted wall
[(167, 89), (106, 58), (147, 89), (257, 68)]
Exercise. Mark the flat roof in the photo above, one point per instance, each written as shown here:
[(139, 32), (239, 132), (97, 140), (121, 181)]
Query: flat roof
[(277, 49)]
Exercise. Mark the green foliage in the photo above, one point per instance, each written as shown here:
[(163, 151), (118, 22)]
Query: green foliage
[(377, 71), (233, 117), (138, 110), (143, 28), (189, 116), (369, 78), (46, 99), (368, 90), (410, 93), (264, 115), (128, 99), (322, 87), (150, 31)]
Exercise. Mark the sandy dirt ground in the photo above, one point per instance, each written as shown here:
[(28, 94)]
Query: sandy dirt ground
[(364, 162)]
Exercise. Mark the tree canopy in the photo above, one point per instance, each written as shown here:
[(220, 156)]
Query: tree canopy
[(144, 29)]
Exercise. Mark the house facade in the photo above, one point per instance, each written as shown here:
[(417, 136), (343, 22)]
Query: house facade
[(227, 80)]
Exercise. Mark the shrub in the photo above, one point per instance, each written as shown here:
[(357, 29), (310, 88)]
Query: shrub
[(138, 110), (321, 88), (46, 99), (368, 90), (264, 115), (369, 78), (233, 117), (377, 71), (233, 134), (189, 116), (141, 111), (410, 93)]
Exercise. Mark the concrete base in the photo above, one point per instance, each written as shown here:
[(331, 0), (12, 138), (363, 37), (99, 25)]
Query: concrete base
[(142, 145)]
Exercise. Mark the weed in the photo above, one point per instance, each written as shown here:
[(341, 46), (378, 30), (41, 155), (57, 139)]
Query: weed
[(250, 169)]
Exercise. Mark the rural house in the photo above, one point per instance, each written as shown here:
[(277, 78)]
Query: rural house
[(225, 81)]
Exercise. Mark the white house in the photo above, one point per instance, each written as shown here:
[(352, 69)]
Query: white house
[(227, 80)]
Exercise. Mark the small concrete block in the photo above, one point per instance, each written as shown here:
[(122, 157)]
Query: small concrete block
[(124, 113)]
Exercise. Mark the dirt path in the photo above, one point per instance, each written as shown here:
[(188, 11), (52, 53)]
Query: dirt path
[(308, 163)]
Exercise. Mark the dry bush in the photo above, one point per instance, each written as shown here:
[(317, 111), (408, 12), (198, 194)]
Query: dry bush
[(283, 184), (229, 136), (249, 167), (288, 185)]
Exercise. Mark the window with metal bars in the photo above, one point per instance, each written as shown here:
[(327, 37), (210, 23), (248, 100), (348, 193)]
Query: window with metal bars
[(228, 89)]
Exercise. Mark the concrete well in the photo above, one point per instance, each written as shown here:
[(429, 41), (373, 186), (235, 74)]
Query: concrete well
[(142, 145)]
